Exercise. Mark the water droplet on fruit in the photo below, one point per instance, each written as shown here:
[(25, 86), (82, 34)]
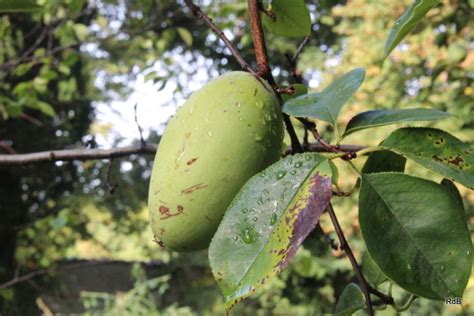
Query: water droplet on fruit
[(258, 137), (209, 133), (281, 174), (259, 105), (409, 267), (468, 252), (241, 118)]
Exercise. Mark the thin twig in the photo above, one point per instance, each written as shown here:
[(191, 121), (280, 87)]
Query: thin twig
[(347, 249), (5, 146), (84, 154), (198, 12), (263, 67), (111, 186), (140, 130)]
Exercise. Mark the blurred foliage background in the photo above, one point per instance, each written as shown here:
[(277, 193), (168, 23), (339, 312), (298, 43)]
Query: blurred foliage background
[(84, 249)]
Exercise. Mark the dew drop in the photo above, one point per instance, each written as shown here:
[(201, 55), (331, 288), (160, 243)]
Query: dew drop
[(298, 164), (255, 218), (468, 252), (241, 118), (409, 267), (442, 268), (293, 172), (245, 210), (209, 133), (259, 105), (260, 201), (273, 219), (247, 236), (281, 174), (238, 104), (235, 237), (308, 158)]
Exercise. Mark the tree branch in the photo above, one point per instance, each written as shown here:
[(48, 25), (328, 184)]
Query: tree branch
[(263, 68), (198, 12), (347, 249), (84, 154)]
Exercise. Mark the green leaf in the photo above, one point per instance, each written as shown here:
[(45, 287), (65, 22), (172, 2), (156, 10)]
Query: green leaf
[(377, 118), (384, 161), (18, 5), (415, 233), (351, 300), (300, 89), (407, 22), (185, 35), (453, 190), (371, 271), (436, 150), (81, 31), (44, 107), (327, 104), (290, 18), (267, 222)]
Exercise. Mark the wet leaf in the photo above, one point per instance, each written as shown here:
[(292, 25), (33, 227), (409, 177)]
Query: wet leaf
[(266, 223), (415, 233), (290, 18), (327, 104), (351, 300), (376, 118), (436, 150), (407, 22)]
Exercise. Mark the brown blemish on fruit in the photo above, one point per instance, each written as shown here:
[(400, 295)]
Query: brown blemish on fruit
[(159, 242), (191, 161), (187, 135), (208, 218), (166, 212), (193, 188)]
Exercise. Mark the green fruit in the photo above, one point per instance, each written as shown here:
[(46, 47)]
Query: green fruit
[(226, 132)]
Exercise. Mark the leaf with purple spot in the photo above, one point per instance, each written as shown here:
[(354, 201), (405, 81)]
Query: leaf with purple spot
[(266, 223)]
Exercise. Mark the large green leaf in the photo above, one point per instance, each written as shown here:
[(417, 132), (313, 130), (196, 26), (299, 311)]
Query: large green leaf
[(407, 22), (377, 118), (415, 233), (327, 104), (384, 161), (18, 5), (290, 18), (351, 300), (267, 222), (436, 150), (451, 187)]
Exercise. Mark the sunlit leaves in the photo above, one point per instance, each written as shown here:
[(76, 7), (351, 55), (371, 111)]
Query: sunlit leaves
[(287, 18), (436, 150), (327, 104), (415, 233), (407, 22), (376, 118), (267, 222)]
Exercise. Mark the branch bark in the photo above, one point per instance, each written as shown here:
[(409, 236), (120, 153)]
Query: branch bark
[(84, 154), (263, 68)]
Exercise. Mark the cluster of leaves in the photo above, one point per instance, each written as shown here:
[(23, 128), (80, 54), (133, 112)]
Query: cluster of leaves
[(414, 229)]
